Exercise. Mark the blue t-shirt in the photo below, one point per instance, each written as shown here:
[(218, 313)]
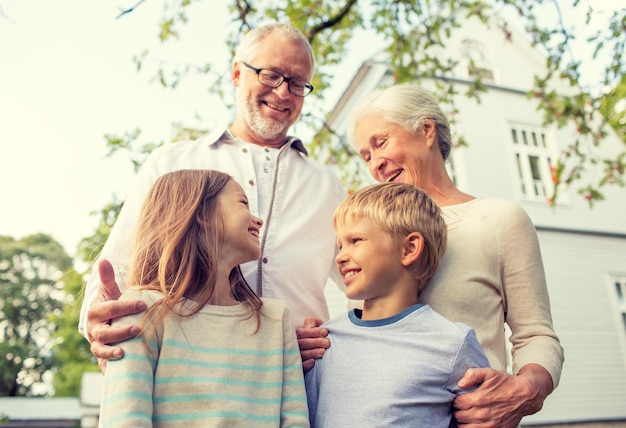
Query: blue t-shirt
[(398, 371)]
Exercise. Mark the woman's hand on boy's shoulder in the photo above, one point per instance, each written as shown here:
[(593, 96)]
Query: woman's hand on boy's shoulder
[(502, 399)]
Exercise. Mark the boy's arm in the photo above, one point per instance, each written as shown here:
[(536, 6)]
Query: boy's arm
[(311, 380), (470, 355)]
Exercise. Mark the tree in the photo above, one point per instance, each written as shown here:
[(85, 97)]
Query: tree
[(31, 291), (613, 108), (71, 356), (71, 353), (414, 29)]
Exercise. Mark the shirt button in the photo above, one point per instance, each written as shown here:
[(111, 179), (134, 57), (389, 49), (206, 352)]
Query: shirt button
[(244, 150), (264, 259), (251, 182), (267, 150), (266, 170)]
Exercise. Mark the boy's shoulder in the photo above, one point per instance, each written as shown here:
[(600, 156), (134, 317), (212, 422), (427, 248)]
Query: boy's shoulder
[(338, 320), (437, 319)]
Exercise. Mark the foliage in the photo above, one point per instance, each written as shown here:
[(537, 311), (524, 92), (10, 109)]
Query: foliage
[(415, 32), (613, 107), (71, 354), (128, 142), (31, 291)]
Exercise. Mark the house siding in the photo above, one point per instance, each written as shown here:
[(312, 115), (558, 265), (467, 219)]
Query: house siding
[(593, 383)]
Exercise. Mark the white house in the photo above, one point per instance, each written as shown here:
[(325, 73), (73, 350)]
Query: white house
[(584, 249), (55, 412)]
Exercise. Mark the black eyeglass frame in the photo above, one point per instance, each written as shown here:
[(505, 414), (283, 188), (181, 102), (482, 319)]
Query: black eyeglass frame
[(258, 71)]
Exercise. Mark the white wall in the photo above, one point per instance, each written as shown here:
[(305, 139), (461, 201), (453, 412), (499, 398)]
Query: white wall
[(593, 384)]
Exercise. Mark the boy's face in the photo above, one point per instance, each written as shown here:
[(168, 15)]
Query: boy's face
[(369, 259)]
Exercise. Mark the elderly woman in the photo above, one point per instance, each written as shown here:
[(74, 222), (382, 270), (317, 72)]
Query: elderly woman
[(492, 272)]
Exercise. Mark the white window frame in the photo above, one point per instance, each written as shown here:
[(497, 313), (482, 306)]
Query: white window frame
[(451, 167), (477, 60), (618, 283), (534, 156), (617, 290), (456, 168)]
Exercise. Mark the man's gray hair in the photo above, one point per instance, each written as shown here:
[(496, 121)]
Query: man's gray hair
[(248, 43)]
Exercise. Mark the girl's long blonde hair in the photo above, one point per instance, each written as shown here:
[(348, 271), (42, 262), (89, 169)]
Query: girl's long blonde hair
[(177, 246)]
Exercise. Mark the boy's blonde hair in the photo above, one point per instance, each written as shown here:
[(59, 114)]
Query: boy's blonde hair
[(400, 209), (178, 243)]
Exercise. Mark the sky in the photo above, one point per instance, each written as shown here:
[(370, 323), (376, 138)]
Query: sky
[(67, 79)]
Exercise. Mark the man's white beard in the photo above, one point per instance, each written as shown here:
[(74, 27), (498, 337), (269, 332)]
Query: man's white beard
[(265, 128)]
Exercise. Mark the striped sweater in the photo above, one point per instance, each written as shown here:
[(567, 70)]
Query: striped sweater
[(208, 370)]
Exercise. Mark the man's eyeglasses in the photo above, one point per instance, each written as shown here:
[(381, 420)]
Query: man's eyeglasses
[(272, 79)]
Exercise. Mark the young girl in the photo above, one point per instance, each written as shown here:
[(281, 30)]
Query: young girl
[(211, 352)]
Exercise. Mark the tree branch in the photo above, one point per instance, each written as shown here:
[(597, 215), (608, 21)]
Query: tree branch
[(125, 11), (310, 34), (243, 8)]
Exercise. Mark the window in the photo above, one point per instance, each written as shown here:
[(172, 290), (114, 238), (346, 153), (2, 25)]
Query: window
[(533, 159), (619, 286), (478, 61), (451, 168), (457, 172), (617, 290)]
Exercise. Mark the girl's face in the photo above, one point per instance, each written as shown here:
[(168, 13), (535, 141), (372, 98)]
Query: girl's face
[(392, 152), (241, 228)]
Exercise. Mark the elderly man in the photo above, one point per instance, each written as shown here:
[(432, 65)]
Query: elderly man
[(294, 195)]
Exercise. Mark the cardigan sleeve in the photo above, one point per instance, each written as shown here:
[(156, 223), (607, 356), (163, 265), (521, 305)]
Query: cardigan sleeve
[(527, 303)]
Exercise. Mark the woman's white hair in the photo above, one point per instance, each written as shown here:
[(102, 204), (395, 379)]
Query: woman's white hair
[(409, 106)]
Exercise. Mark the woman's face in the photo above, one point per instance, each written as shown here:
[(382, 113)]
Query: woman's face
[(392, 152)]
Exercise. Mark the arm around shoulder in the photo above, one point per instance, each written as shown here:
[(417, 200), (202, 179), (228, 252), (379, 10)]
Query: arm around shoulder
[(117, 248)]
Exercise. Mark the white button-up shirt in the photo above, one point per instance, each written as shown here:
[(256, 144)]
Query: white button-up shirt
[(295, 197)]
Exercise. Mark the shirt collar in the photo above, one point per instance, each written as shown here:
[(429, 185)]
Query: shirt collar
[(224, 136)]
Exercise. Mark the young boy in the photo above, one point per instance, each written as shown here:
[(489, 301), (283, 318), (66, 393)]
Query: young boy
[(395, 362)]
